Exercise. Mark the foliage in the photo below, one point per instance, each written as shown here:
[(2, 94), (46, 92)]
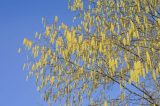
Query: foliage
[(116, 44)]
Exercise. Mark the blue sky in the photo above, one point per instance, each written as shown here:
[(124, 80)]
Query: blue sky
[(19, 19)]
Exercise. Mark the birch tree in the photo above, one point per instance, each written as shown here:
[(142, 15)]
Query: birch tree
[(115, 44)]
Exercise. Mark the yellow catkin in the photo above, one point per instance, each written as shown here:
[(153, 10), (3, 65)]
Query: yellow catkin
[(105, 103), (52, 80)]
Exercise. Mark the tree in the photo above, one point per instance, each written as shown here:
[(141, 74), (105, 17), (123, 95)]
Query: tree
[(115, 46)]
